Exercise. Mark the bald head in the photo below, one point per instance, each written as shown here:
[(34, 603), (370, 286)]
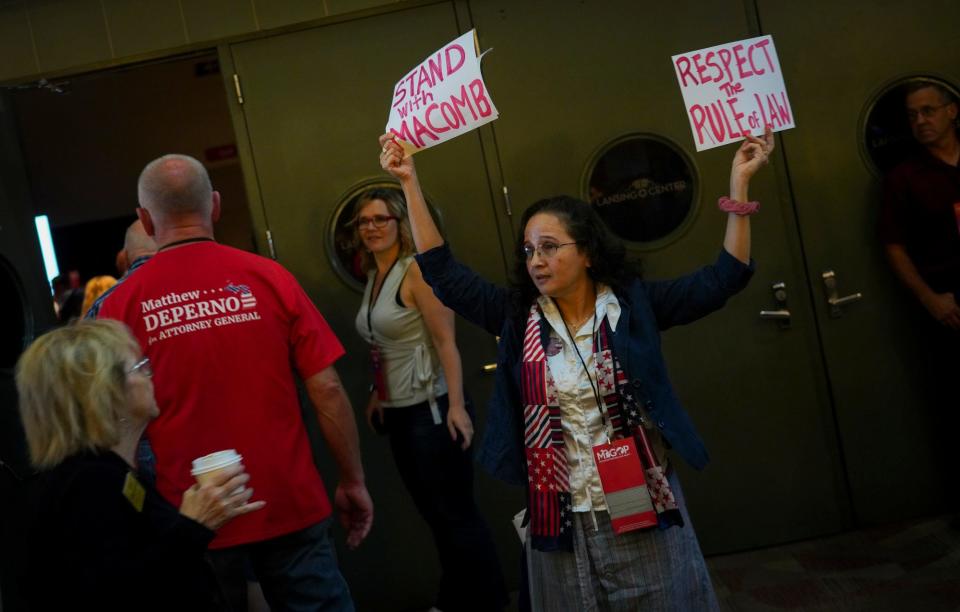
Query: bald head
[(175, 186), (137, 244)]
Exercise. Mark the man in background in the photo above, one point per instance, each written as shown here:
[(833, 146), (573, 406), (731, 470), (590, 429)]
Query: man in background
[(920, 221), (920, 230), (138, 247)]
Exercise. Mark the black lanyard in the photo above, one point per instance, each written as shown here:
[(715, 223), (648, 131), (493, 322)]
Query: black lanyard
[(596, 392), (185, 241), (371, 301)]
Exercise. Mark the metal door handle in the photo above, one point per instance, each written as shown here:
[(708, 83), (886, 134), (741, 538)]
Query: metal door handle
[(833, 300), (845, 300), (490, 368), (782, 314)]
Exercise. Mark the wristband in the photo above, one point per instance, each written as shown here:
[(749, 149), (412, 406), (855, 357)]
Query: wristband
[(738, 208)]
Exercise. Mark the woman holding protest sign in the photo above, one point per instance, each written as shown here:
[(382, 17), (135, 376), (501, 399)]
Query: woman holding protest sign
[(582, 410), (417, 398)]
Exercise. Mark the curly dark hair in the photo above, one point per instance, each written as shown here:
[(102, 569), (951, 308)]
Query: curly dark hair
[(608, 257)]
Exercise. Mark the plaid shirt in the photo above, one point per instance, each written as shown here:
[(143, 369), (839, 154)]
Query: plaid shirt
[(95, 308)]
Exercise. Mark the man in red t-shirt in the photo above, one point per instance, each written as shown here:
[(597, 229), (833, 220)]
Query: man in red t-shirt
[(227, 332)]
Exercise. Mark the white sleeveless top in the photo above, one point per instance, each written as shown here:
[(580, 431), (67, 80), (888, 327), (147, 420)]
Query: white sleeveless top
[(411, 368)]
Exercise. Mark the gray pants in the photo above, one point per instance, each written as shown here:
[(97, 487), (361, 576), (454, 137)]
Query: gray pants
[(640, 570)]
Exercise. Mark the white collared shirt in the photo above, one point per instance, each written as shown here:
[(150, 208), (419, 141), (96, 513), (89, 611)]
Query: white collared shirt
[(583, 424)]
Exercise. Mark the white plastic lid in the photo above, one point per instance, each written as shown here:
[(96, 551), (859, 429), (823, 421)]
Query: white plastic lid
[(215, 461)]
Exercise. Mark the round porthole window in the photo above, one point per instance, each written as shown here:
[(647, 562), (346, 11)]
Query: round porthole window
[(344, 247), (644, 188), (887, 137), (14, 314)]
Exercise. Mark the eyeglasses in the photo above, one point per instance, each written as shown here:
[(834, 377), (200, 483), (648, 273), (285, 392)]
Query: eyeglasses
[(376, 221), (546, 250), (142, 366), (925, 111)]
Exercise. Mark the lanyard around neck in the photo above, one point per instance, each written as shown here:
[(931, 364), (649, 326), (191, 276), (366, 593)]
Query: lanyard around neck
[(596, 392), (372, 301), (185, 241)]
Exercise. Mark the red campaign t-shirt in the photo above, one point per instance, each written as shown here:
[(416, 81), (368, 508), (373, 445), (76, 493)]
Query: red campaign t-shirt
[(223, 329)]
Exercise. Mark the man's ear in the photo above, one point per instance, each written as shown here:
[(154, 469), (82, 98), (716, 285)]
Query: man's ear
[(144, 215), (215, 209)]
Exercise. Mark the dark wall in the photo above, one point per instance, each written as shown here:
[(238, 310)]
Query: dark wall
[(27, 304), (85, 145), (26, 309), (91, 248)]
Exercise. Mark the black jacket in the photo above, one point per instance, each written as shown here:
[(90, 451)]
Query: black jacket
[(81, 544)]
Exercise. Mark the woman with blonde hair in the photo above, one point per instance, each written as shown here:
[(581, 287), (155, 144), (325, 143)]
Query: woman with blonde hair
[(95, 287), (93, 535), (417, 398)]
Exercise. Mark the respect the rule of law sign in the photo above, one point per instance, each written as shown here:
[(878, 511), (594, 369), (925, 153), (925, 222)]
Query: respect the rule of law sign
[(731, 90), (442, 98)]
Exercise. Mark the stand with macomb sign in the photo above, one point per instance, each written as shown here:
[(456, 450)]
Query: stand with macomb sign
[(441, 98)]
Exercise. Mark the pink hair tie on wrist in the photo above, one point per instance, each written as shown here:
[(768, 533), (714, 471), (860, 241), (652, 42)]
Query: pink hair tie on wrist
[(738, 208)]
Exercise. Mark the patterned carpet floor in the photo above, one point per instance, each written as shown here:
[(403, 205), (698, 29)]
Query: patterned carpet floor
[(912, 567)]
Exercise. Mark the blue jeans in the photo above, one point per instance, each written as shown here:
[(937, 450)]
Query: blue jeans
[(439, 477), (297, 571)]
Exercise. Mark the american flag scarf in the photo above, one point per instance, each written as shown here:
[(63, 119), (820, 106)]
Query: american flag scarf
[(548, 483)]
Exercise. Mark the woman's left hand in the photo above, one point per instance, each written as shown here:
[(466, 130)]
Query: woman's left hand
[(459, 421), (753, 153)]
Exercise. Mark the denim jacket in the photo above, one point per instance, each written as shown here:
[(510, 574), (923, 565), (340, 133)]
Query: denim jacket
[(647, 307)]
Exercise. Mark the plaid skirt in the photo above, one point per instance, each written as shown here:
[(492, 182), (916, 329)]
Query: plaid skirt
[(640, 570)]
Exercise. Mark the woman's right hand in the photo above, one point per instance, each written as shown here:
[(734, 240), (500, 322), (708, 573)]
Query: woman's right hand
[(393, 161), (425, 233), (374, 407), (217, 502)]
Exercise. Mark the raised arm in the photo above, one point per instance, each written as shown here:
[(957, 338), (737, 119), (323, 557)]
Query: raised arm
[(686, 299), (456, 285), (425, 233), (683, 300), (752, 154)]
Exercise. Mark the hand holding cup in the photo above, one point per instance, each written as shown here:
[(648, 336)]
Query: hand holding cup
[(220, 493)]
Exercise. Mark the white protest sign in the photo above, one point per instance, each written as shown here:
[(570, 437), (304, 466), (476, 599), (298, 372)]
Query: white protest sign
[(442, 98), (731, 90)]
